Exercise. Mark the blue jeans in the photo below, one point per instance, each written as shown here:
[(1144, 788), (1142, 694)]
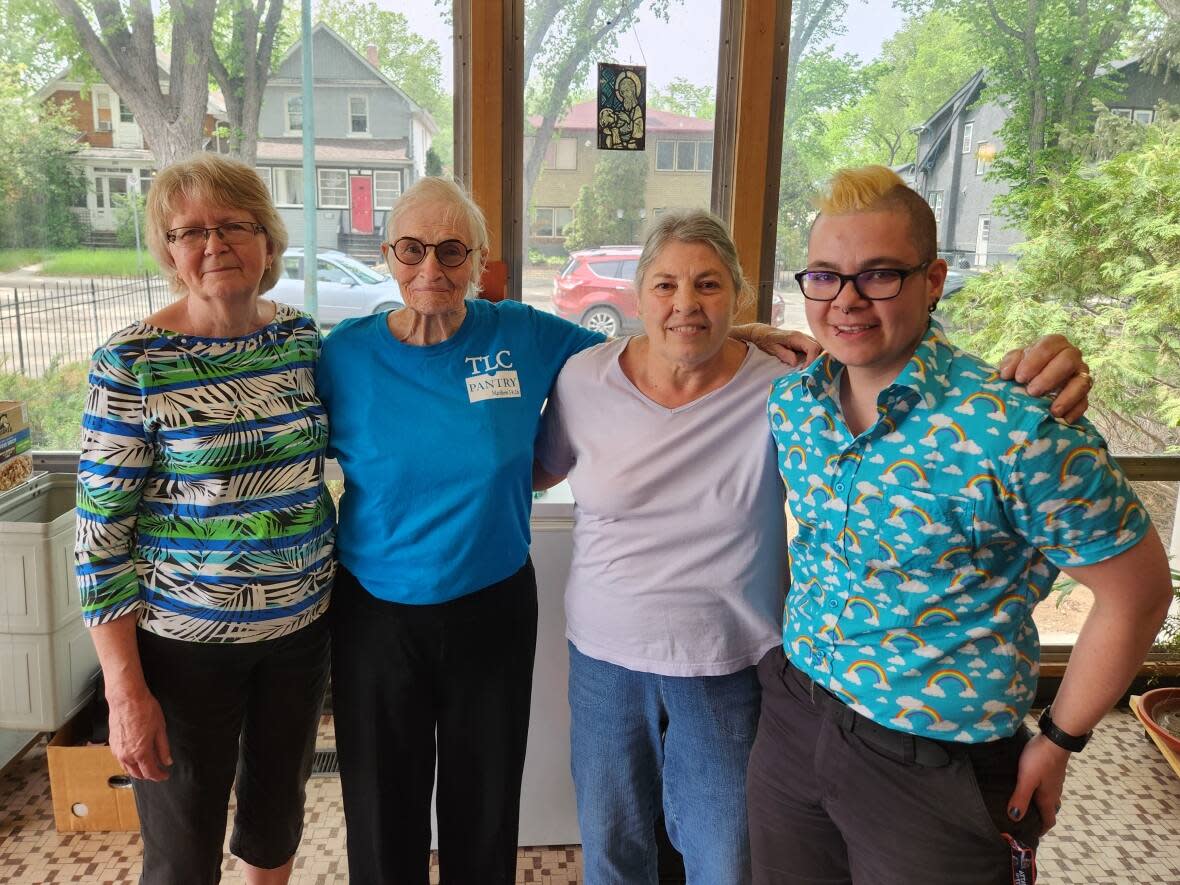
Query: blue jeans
[(638, 739)]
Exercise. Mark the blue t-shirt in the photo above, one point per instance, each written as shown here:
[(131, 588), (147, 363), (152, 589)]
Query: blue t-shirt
[(436, 445)]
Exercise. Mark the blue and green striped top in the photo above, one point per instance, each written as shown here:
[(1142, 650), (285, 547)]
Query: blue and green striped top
[(201, 498)]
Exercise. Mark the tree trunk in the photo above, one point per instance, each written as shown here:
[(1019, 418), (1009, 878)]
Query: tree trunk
[(125, 56), (243, 73)]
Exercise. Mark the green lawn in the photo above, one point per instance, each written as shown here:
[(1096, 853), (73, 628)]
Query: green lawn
[(14, 259), (97, 263)]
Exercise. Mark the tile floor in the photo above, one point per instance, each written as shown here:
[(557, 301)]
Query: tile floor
[(1120, 825)]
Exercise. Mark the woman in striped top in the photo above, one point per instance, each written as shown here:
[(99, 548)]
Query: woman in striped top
[(204, 547)]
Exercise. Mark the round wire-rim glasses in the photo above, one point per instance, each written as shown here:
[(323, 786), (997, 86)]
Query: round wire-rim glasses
[(410, 250), (875, 284), (232, 233)]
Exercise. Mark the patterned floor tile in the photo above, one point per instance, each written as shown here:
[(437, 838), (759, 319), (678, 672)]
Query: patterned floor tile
[(1120, 825)]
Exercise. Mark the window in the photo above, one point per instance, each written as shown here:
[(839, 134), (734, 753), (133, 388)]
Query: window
[(620, 186), (982, 236), (704, 156), (387, 187), (608, 270), (1121, 112), (551, 221), (288, 187), (968, 132), (102, 110), (358, 115), (264, 174), (934, 198), (145, 180), (125, 115), (326, 272), (665, 155), (295, 113), (1144, 116), (983, 157), (333, 193)]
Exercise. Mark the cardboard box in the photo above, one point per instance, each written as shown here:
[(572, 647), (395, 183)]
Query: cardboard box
[(13, 417), (91, 791)]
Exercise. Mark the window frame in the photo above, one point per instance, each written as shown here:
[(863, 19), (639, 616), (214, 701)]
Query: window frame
[(319, 188), (104, 94), (281, 173), (377, 206), (982, 164), (671, 144), (287, 128), (935, 200), (367, 132), (968, 135)]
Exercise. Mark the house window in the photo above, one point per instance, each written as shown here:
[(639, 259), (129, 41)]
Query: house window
[(1125, 113), (333, 189), (102, 110), (264, 174), (686, 156), (968, 132), (562, 153), (358, 115), (145, 180), (387, 187), (551, 221), (288, 185), (704, 156), (665, 155), (295, 113), (125, 115), (934, 198), (984, 155), (1144, 116)]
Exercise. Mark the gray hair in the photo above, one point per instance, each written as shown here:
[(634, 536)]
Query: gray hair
[(449, 199), (694, 226)]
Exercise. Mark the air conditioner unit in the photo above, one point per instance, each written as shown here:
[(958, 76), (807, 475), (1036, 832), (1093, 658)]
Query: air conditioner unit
[(104, 125)]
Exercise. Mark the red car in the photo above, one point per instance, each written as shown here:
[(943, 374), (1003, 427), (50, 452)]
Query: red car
[(597, 290)]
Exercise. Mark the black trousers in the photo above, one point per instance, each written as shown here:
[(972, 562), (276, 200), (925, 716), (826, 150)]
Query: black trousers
[(835, 798), (410, 680), (248, 710)]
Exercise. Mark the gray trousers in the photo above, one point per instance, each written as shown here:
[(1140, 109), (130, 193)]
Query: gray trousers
[(835, 798)]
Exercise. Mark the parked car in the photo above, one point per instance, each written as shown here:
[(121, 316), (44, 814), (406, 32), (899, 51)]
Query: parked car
[(597, 290), (345, 287)]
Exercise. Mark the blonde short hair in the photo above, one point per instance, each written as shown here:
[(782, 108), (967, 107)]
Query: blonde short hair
[(695, 226), (220, 181), (876, 189), (447, 198)]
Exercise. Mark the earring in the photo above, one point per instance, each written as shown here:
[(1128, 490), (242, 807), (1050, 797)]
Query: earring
[(932, 307)]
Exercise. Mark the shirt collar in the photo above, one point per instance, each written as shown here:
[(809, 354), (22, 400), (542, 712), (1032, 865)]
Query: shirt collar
[(926, 374)]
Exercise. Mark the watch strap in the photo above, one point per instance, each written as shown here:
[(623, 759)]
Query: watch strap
[(1063, 739)]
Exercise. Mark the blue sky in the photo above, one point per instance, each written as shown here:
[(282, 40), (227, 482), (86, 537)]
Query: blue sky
[(674, 49)]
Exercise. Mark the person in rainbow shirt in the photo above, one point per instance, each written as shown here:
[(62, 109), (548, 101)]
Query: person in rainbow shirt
[(936, 504)]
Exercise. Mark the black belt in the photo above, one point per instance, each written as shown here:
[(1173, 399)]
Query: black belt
[(907, 748)]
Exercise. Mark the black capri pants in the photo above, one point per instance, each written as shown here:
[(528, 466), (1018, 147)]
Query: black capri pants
[(244, 709)]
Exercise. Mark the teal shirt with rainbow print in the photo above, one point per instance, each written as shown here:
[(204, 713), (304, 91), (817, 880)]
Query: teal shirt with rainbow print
[(924, 543)]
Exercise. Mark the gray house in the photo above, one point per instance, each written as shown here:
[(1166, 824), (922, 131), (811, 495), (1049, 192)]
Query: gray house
[(958, 143), (371, 141)]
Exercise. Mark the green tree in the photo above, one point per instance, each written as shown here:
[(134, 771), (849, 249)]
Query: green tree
[(1043, 58), (39, 180), (607, 211), (1101, 263), (918, 67), (824, 83), (685, 98)]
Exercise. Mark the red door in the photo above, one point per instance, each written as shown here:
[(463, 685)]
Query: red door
[(361, 188)]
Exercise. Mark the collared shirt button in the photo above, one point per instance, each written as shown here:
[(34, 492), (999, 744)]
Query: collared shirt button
[(839, 487), (834, 604)]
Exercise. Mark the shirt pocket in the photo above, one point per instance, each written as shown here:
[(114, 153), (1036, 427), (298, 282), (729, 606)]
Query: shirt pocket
[(923, 543)]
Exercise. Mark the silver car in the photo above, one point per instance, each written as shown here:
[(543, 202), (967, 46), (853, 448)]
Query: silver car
[(344, 287)]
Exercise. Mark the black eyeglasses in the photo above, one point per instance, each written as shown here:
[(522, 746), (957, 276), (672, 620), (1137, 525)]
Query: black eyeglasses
[(232, 233), (878, 284), (450, 253)]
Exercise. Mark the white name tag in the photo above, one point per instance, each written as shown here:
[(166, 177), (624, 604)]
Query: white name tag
[(493, 386)]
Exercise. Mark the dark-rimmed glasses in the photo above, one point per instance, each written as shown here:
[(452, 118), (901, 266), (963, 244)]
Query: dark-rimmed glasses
[(232, 233), (877, 284), (450, 253)]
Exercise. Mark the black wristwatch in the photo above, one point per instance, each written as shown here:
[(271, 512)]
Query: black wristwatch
[(1063, 739)]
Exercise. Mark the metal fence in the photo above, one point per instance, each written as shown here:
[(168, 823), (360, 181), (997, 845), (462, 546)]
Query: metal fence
[(64, 321)]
